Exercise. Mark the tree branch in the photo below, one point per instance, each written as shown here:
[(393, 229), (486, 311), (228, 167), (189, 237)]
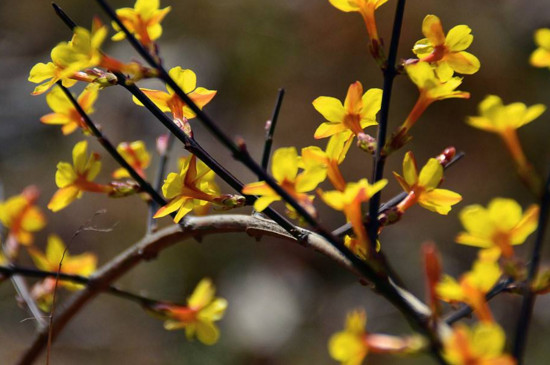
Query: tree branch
[(526, 311), (379, 158), (150, 246), (270, 129)]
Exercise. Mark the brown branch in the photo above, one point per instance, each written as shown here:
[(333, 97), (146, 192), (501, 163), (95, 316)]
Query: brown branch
[(150, 246)]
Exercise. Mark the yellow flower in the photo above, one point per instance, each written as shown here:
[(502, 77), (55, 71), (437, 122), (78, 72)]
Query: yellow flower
[(83, 51), (499, 118), (47, 74), (198, 317), (83, 264), (143, 20), (350, 346), (136, 155), (358, 112), (422, 188), (541, 56), (366, 8), (56, 253), (474, 284), (65, 114), (481, 345), (431, 89), (349, 201), (329, 159), (504, 120), (446, 52), (284, 168), (21, 217), (501, 225), (73, 180), (170, 102), (193, 187)]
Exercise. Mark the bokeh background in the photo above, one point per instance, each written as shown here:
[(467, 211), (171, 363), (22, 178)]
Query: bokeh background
[(284, 301)]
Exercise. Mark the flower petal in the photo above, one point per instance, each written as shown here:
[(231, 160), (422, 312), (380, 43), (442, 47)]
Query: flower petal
[(433, 30), (330, 108), (459, 38), (430, 175)]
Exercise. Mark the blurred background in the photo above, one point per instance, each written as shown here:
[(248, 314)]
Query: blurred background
[(284, 301)]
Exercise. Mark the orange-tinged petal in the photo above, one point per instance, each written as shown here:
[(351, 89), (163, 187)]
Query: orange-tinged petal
[(258, 188), (433, 30), (55, 118), (170, 207), (63, 197), (402, 182), (160, 98), (354, 103), (202, 96), (88, 97)]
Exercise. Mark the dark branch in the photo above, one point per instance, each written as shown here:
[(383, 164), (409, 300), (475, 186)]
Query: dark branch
[(526, 311), (10, 271), (379, 159), (270, 129), (164, 155)]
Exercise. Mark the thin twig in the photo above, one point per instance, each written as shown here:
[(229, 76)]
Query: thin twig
[(151, 245), (270, 129), (528, 302), (379, 159), (12, 270), (164, 156), (144, 185)]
